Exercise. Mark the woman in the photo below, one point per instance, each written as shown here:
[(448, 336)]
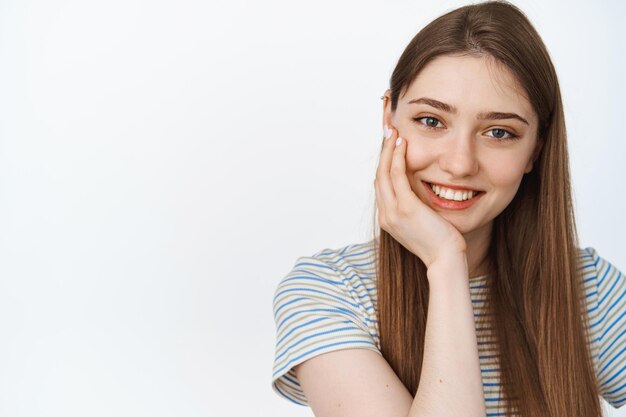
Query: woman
[(474, 299)]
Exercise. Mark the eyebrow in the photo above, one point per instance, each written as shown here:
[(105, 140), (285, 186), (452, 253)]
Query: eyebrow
[(492, 115)]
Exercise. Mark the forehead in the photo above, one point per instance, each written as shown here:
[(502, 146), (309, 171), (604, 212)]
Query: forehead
[(472, 84)]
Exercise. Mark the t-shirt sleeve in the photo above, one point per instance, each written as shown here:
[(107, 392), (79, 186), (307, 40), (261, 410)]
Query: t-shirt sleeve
[(317, 309), (610, 320)]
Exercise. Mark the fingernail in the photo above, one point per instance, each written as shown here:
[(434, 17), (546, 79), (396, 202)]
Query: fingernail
[(387, 132), (398, 141)]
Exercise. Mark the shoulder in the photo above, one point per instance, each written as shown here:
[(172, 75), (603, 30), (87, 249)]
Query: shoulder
[(325, 303), (340, 270), (601, 279), (356, 258), (603, 285), (605, 293), (589, 259)]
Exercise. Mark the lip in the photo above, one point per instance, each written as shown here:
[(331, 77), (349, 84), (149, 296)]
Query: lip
[(450, 204), (454, 187)]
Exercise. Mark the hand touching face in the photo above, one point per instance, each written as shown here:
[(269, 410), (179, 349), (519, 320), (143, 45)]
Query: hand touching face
[(403, 215), (471, 137)]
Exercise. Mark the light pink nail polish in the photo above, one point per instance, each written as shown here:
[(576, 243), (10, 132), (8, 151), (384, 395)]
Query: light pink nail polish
[(387, 132)]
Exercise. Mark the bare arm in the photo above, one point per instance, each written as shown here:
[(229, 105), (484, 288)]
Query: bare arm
[(450, 382), (359, 382), (351, 383)]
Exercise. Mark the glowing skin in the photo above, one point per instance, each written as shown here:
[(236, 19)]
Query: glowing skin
[(460, 149)]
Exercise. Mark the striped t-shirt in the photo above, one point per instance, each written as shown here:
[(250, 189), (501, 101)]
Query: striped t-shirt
[(327, 302)]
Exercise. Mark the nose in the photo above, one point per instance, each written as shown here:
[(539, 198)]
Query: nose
[(459, 158)]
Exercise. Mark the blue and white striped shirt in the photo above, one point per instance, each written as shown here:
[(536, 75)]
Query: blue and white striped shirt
[(327, 302)]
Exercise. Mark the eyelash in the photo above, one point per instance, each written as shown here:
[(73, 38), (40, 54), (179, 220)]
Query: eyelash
[(512, 136)]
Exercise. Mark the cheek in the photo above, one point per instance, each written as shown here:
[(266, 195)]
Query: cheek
[(418, 155), (505, 173)]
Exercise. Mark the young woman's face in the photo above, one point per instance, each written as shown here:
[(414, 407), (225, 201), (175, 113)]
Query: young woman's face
[(468, 125)]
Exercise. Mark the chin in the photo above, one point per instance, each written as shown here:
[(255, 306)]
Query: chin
[(463, 229), (461, 224)]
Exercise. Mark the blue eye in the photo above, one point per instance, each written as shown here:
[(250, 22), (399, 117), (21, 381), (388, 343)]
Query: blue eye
[(431, 122), (501, 133)]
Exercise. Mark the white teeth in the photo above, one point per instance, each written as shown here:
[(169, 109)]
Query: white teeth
[(450, 194)]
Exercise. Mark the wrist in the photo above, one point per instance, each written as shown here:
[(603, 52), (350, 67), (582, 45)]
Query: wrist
[(449, 266)]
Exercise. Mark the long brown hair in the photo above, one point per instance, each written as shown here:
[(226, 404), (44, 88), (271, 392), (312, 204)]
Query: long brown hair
[(534, 292)]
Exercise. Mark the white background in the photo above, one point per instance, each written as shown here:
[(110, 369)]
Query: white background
[(163, 163)]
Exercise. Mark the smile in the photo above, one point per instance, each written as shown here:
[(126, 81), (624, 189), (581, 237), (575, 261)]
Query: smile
[(449, 198), (450, 194)]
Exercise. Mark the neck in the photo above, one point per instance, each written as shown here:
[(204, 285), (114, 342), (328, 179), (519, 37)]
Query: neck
[(477, 248)]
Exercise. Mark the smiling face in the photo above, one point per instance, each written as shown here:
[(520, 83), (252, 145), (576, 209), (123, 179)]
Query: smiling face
[(468, 124)]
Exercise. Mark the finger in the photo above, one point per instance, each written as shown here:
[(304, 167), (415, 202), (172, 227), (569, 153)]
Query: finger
[(382, 174), (405, 196), (380, 204), (387, 149)]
